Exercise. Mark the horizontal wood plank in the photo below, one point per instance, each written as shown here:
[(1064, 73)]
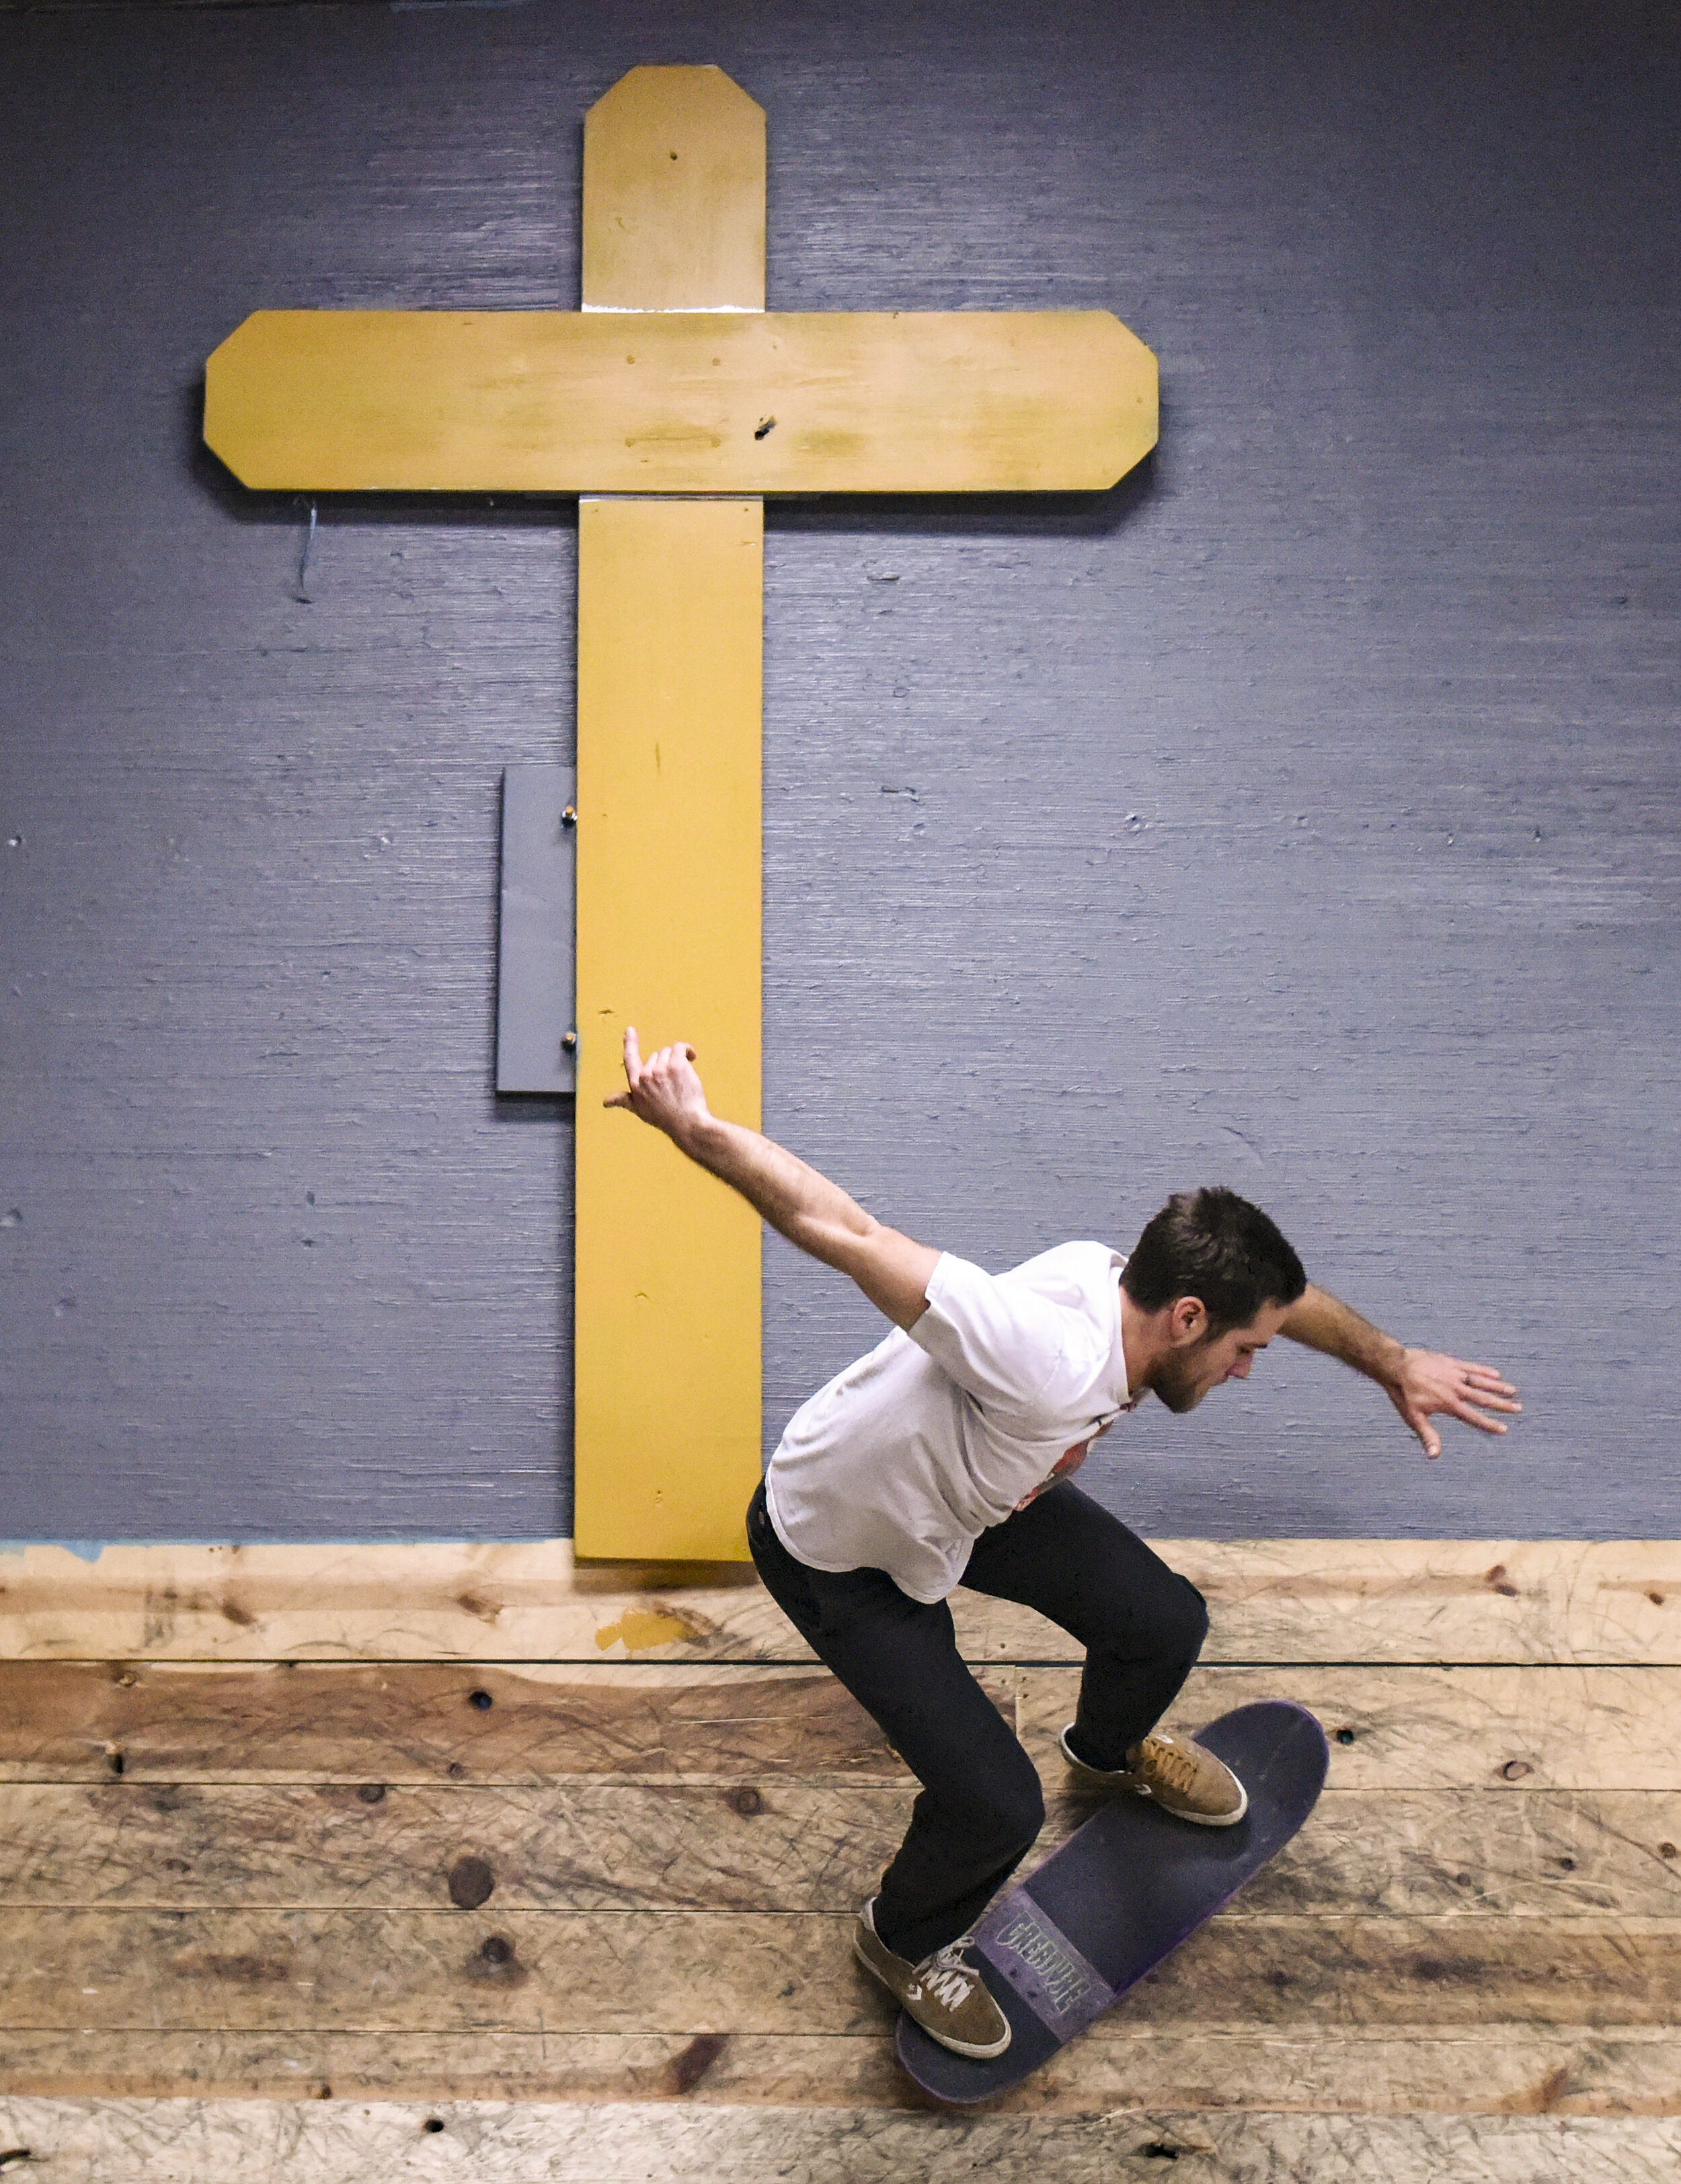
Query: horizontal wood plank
[(778, 1845), (202, 2142), (1498, 1729), (418, 1721), (681, 402), (1504, 2070), (671, 1971), (1271, 1600)]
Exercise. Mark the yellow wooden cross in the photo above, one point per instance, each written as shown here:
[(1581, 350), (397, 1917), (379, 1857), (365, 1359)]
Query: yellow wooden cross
[(672, 403)]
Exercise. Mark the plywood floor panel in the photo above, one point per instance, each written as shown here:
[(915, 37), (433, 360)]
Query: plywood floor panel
[(421, 1721), (361, 2142), (680, 1971), (1498, 1728), (1377, 1600), (782, 1845), (1492, 2069), (231, 1877)]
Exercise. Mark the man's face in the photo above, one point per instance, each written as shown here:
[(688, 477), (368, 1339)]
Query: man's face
[(1187, 1373)]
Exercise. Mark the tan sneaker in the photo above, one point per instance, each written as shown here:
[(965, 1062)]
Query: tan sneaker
[(945, 1993), (1179, 1775)]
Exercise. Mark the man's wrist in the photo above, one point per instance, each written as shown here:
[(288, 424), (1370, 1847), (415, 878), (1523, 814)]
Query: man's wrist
[(701, 1137)]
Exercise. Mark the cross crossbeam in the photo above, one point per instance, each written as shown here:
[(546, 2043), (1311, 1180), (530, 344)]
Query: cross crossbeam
[(690, 402)]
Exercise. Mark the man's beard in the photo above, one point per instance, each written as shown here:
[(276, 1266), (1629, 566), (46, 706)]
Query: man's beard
[(1178, 1382)]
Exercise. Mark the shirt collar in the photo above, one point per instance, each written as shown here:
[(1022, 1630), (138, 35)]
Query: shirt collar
[(1125, 1400)]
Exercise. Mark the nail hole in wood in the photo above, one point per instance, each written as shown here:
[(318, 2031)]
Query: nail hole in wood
[(1665, 1850), (371, 1793), (496, 1950), (746, 1800), (482, 1700), (764, 431), (455, 1770), (472, 1882), (1515, 1769), (1345, 1736), (432, 2123)]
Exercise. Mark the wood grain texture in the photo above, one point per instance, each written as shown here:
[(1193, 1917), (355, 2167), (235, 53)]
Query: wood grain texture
[(1504, 1730), (1270, 1599), (773, 1843), (681, 402), (723, 1972), (348, 2143), (671, 729), (1507, 2069), (1501, 2070), (398, 1721), (674, 194), (667, 1260), (1495, 1728)]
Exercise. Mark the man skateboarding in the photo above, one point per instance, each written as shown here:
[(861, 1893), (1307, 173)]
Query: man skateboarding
[(943, 1459)]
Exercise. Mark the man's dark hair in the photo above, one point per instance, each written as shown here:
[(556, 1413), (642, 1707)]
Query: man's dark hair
[(1213, 1245)]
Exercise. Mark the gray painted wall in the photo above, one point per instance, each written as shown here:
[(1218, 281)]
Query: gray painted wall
[(1301, 815)]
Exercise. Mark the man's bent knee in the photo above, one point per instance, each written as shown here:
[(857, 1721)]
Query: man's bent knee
[(1190, 1624)]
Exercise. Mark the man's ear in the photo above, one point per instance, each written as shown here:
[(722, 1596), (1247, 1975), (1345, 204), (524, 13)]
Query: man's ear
[(1187, 1322)]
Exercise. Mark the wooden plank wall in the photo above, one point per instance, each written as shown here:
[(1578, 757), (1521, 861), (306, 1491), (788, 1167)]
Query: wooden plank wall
[(378, 1856)]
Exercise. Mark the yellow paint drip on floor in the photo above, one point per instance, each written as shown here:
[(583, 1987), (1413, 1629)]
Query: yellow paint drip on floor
[(638, 1629)]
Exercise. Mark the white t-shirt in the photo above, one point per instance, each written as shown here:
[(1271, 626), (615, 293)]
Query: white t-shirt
[(905, 1458)]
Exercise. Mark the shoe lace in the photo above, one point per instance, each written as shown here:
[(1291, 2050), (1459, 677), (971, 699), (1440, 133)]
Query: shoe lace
[(1176, 1768), (948, 1976)]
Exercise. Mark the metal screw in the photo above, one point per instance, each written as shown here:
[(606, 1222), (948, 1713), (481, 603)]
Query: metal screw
[(569, 1039), (568, 817)]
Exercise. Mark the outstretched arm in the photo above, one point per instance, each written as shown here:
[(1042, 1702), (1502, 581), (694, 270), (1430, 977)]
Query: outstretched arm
[(666, 1092), (1419, 1383)]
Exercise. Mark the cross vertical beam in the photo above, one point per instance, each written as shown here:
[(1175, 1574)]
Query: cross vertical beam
[(670, 618)]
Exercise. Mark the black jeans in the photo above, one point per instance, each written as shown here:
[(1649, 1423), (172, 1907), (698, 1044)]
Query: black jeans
[(980, 1806)]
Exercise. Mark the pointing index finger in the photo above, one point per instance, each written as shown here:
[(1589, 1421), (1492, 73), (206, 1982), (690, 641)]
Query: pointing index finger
[(633, 1056)]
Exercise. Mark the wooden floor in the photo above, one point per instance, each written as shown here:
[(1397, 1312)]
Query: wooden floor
[(455, 1861)]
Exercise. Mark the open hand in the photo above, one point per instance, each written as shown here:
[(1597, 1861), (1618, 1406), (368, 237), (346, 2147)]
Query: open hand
[(665, 1091), (1430, 1383)]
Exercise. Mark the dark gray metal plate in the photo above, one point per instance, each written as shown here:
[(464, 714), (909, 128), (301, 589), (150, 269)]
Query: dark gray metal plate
[(535, 965)]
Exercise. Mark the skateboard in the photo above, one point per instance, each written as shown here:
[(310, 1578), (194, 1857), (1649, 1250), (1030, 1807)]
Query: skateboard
[(1122, 1893)]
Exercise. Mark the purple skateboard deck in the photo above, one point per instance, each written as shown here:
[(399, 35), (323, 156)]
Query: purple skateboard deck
[(1122, 1893)]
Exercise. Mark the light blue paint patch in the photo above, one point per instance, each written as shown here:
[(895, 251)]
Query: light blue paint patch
[(89, 1550)]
